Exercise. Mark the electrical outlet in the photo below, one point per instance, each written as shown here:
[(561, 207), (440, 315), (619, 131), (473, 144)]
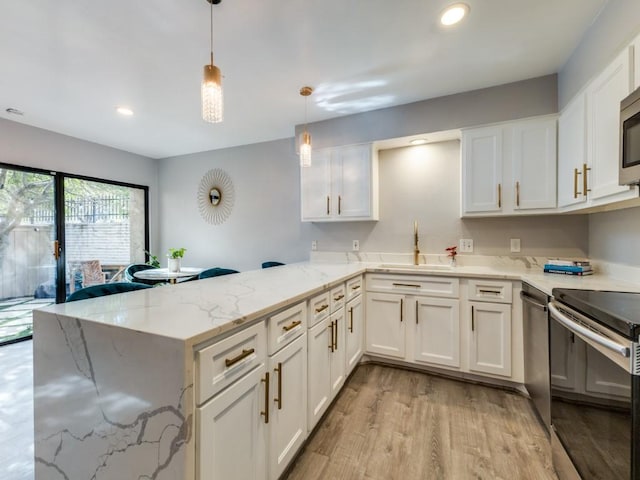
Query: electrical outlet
[(466, 245), (314, 245), (356, 246), (515, 245)]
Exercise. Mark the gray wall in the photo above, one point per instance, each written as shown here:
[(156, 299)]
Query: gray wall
[(34, 147), (615, 236), (615, 27)]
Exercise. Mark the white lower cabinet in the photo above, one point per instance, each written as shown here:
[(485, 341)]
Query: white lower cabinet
[(319, 343), (232, 431), (386, 328), (490, 346), (288, 417), (354, 333), (338, 357), (437, 335)]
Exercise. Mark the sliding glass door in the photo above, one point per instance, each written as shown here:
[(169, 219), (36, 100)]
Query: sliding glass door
[(27, 243), (59, 233)]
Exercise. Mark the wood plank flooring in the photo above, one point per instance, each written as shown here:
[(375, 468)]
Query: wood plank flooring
[(392, 424)]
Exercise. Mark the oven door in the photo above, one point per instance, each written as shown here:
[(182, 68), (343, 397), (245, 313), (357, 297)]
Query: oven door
[(592, 393)]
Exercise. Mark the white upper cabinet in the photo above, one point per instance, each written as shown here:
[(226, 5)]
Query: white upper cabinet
[(572, 152), (340, 185), (509, 168), (603, 126), (482, 169)]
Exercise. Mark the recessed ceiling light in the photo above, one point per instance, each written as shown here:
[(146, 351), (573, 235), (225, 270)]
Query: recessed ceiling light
[(14, 111), (418, 141), (454, 13), (126, 111)]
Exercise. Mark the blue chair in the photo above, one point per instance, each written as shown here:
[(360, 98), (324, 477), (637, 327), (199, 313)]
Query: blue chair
[(138, 267), (215, 272), (105, 289), (271, 264)]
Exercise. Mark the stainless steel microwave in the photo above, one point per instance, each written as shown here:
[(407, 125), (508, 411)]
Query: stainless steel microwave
[(630, 140)]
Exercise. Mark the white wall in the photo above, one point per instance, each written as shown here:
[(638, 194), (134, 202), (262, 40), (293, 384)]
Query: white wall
[(33, 147), (615, 236)]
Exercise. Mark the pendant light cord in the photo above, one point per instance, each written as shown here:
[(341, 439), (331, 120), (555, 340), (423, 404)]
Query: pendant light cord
[(211, 10)]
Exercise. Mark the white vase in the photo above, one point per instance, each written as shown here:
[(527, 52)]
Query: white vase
[(173, 265)]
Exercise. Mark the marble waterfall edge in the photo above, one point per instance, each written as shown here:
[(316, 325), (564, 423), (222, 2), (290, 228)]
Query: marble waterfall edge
[(109, 403)]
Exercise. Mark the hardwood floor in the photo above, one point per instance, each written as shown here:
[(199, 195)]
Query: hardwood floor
[(392, 424)]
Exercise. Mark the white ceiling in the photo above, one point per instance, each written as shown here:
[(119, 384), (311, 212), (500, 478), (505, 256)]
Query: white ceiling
[(68, 63)]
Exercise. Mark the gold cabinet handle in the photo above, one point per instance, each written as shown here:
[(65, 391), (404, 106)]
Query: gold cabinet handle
[(335, 345), (473, 326), (245, 353), (278, 400), (416, 312), (339, 205), (575, 183), (291, 326), (585, 181), (499, 195), (355, 287), (328, 204), (401, 309), (406, 285), (322, 308), (338, 298), (517, 194), (332, 344), (265, 412), (351, 319), (492, 292)]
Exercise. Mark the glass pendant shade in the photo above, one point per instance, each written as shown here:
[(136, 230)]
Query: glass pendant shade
[(212, 101), (305, 149)]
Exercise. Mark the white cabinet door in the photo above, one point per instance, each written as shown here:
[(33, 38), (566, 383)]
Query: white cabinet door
[(354, 333), (319, 343), (572, 153), (386, 325), (352, 186), (490, 349), (482, 169), (603, 127), (338, 352), (288, 422), (231, 431), (437, 338), (315, 191), (534, 162)]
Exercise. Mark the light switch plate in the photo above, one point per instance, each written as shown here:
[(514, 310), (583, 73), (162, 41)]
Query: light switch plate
[(314, 245), (515, 245), (466, 245), (356, 245)]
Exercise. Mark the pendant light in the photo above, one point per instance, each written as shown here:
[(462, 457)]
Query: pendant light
[(212, 104), (305, 137)]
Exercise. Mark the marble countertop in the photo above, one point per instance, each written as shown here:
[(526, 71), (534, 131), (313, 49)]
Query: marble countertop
[(197, 311)]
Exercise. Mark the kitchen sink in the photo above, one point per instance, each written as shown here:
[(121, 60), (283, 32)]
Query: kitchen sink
[(407, 266)]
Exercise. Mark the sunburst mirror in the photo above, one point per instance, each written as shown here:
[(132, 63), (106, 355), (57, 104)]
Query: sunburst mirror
[(215, 196)]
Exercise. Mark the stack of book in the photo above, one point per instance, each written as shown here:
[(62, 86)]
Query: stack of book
[(568, 267)]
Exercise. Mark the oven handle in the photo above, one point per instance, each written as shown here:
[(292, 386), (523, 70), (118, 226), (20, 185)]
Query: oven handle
[(607, 343)]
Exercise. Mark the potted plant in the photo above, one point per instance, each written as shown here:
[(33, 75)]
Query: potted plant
[(173, 259)]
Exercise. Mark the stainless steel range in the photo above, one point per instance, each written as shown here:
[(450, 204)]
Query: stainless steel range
[(595, 384)]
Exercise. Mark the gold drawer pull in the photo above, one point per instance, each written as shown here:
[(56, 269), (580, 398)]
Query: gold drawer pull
[(492, 292), (355, 287), (293, 325), (265, 412), (585, 180), (338, 298), (245, 353), (322, 308), (406, 285), (351, 319)]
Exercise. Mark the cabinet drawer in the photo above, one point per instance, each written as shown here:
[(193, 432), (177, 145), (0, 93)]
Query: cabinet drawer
[(222, 363), (286, 326), (319, 308), (354, 287), (490, 291), (414, 284), (338, 295)]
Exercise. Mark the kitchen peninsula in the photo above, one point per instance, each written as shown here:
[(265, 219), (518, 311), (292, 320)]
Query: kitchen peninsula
[(117, 391)]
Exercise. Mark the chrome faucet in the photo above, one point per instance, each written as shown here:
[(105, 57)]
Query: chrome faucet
[(416, 250)]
